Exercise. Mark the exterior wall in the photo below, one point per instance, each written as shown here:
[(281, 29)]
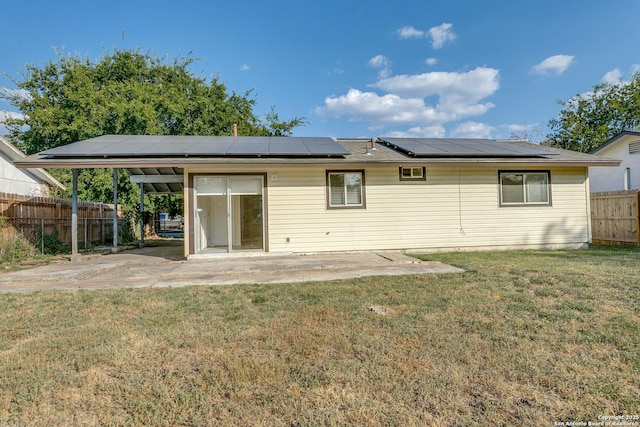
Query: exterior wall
[(18, 181), (455, 208), (612, 178)]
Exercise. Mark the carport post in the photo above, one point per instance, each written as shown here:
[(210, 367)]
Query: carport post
[(75, 256), (115, 210), (142, 215)]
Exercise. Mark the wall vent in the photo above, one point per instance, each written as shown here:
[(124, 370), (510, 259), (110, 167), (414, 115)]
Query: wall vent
[(634, 147)]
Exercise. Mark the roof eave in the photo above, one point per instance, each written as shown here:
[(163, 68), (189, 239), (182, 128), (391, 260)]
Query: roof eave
[(38, 162), (614, 140)]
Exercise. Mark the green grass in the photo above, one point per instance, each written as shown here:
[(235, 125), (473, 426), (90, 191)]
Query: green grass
[(522, 338)]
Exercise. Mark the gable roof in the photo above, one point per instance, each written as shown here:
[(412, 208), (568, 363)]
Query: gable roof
[(177, 151), (12, 153), (615, 139), (158, 162)]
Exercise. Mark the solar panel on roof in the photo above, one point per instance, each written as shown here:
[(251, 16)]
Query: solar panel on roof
[(324, 146), (171, 146), (249, 148), (288, 148), (449, 147), (208, 148)]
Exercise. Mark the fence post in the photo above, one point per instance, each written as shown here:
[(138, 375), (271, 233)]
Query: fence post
[(42, 235), (637, 200)]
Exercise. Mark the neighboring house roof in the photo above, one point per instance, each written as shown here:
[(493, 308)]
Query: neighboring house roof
[(12, 153), (615, 139), (166, 156)]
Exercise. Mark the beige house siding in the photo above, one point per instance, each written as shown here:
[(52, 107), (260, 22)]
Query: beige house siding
[(452, 208), (456, 207)]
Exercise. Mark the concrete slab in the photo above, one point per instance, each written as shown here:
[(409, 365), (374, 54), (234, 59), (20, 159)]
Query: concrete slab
[(165, 266)]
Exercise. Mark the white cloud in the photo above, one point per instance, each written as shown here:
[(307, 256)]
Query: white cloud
[(612, 77), (409, 31), (18, 94), (553, 65), (419, 132), (380, 110), (616, 76), (440, 35), (245, 67), (383, 63), (520, 128), (4, 115), (459, 96), (459, 93), (431, 61), (473, 130), (475, 84)]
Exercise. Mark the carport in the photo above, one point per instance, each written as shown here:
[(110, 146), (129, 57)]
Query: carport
[(159, 180), (152, 176), (224, 190)]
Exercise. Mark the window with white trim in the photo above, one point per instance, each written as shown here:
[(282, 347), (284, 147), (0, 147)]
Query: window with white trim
[(345, 189), (414, 173), (525, 188)]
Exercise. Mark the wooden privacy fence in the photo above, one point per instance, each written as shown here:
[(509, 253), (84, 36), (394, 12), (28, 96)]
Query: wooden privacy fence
[(615, 218), (43, 216)]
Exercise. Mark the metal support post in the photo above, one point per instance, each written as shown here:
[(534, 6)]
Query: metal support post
[(115, 210), (142, 215)]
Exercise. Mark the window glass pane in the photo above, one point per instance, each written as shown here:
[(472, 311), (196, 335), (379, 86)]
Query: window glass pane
[(511, 186), (336, 188), (354, 188), (210, 185), (536, 186), (246, 185), (417, 172), (406, 173)]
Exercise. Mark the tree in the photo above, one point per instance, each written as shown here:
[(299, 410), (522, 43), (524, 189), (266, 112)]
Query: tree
[(588, 120), (529, 133), (74, 98)]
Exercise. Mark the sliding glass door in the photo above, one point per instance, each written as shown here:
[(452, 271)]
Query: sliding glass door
[(229, 213)]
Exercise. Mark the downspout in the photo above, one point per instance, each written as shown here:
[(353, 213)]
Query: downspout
[(588, 196)]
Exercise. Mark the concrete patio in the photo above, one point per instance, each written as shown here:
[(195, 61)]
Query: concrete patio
[(166, 267)]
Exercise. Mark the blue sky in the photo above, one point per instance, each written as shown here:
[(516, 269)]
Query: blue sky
[(358, 68)]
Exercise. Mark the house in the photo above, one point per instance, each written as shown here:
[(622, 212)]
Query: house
[(33, 182), (626, 148), (254, 195)]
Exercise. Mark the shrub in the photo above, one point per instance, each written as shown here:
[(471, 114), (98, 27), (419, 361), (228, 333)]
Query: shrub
[(13, 245), (52, 244)]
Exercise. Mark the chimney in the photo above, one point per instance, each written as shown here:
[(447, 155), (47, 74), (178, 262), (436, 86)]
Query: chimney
[(373, 144), (235, 129)]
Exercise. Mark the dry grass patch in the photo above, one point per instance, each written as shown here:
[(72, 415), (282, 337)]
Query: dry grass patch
[(522, 338)]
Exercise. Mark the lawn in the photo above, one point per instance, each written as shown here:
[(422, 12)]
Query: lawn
[(521, 338)]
